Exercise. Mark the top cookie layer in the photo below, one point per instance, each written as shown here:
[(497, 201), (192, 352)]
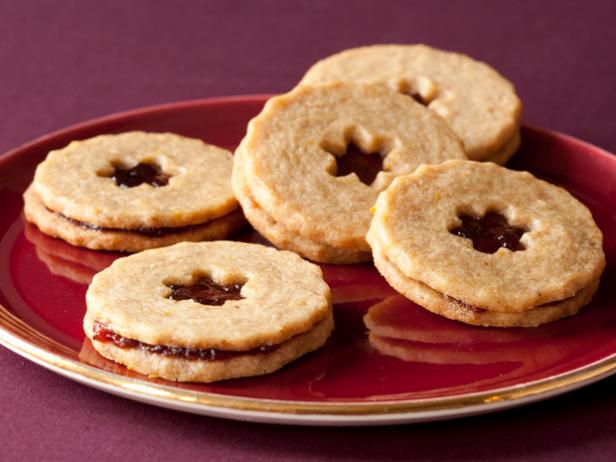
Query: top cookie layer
[(478, 103), (415, 215), (283, 296), (289, 164), (76, 181)]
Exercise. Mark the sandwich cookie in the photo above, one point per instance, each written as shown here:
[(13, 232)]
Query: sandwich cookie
[(134, 191), (208, 311), (478, 103), (313, 162), (485, 245)]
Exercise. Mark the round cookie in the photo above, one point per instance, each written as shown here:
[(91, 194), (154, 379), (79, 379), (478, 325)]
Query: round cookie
[(208, 311), (476, 101), (134, 191), (485, 245), (286, 168)]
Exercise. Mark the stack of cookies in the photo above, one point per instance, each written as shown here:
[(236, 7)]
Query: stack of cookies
[(420, 129), (479, 105), (313, 162), (303, 189)]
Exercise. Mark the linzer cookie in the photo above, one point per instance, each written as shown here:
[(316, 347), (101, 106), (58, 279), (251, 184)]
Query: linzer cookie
[(208, 311), (313, 162), (476, 101), (485, 245), (134, 191)]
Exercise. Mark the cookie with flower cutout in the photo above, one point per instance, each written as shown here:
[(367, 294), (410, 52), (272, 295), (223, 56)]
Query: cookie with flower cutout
[(133, 191), (208, 311), (314, 161), (479, 104), (481, 244)]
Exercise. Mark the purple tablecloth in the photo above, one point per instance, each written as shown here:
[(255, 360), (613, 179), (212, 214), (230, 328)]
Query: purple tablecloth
[(68, 61)]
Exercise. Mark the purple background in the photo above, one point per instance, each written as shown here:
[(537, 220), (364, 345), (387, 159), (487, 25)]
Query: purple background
[(67, 61)]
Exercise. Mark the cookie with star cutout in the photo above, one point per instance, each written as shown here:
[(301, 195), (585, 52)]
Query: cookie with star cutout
[(208, 311), (481, 244), (134, 191), (479, 104), (314, 161)]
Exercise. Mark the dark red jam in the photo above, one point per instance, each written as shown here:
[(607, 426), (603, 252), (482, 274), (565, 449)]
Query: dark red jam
[(206, 292), (365, 165), (490, 232), (420, 99), (148, 173), (103, 334), (149, 232), (464, 305)]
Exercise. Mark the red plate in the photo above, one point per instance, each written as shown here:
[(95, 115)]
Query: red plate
[(412, 366)]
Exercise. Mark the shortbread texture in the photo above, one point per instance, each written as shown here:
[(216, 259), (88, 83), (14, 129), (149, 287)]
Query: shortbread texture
[(120, 240), (478, 103), (75, 181), (435, 301), (411, 231), (284, 238), (186, 370), (283, 296), (285, 166)]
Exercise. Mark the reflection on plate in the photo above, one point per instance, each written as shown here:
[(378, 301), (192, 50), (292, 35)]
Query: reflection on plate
[(413, 334), (62, 259), (388, 361)]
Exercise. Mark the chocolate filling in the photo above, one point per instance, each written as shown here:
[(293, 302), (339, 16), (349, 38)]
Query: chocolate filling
[(103, 334), (490, 232), (365, 165), (206, 292)]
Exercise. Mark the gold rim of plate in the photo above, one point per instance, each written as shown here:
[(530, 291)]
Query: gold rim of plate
[(21, 338)]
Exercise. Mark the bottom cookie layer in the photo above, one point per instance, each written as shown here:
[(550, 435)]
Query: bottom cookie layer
[(124, 241), (284, 238), (196, 370), (438, 303)]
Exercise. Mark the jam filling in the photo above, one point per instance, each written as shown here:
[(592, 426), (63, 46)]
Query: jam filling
[(147, 173), (420, 99), (464, 305), (103, 334), (206, 292), (490, 232), (365, 165), (476, 309), (149, 232)]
